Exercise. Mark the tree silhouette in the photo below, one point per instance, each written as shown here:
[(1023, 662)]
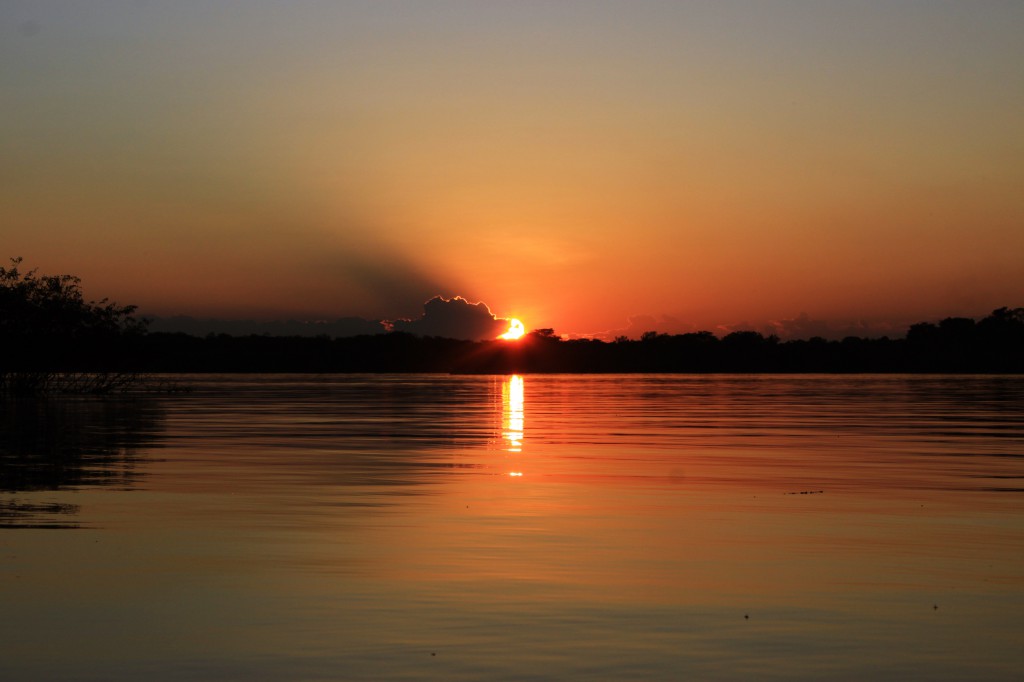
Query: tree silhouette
[(50, 335)]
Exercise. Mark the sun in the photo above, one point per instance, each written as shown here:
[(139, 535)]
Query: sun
[(515, 330)]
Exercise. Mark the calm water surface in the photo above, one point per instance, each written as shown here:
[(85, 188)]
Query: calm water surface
[(517, 528)]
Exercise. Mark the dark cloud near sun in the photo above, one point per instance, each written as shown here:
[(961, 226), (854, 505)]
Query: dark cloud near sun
[(388, 281), (454, 318), (345, 326)]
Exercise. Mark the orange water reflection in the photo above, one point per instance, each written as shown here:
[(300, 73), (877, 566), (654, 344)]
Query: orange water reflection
[(322, 519)]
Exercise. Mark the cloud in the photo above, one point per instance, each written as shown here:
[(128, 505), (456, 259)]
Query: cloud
[(345, 326), (638, 324), (396, 285), (384, 280), (800, 327), (803, 326), (454, 318)]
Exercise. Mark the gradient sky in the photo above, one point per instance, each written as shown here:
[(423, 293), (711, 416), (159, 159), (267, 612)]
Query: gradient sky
[(574, 164)]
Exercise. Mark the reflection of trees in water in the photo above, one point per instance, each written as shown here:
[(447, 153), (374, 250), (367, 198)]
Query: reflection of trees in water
[(370, 436), (66, 444), (393, 412), (431, 413), (366, 437)]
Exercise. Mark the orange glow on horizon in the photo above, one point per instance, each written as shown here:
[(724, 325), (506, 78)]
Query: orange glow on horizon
[(515, 331), (677, 207)]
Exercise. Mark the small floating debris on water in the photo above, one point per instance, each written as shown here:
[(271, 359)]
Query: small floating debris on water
[(806, 492)]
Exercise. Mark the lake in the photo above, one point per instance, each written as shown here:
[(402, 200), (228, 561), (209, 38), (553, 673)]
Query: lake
[(538, 527)]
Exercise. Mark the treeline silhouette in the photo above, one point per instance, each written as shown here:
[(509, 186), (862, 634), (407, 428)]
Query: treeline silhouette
[(994, 344), (51, 339)]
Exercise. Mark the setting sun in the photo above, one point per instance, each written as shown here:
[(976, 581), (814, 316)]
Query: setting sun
[(515, 330)]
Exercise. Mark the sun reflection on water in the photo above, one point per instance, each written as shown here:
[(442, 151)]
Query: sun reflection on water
[(513, 405)]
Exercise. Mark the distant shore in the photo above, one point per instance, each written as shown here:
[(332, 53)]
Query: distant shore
[(37, 360), (687, 353), (994, 344)]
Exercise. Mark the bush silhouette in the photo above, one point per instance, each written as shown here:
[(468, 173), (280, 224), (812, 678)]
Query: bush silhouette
[(50, 336)]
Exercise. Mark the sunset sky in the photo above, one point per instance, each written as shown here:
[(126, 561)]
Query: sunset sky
[(689, 165)]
